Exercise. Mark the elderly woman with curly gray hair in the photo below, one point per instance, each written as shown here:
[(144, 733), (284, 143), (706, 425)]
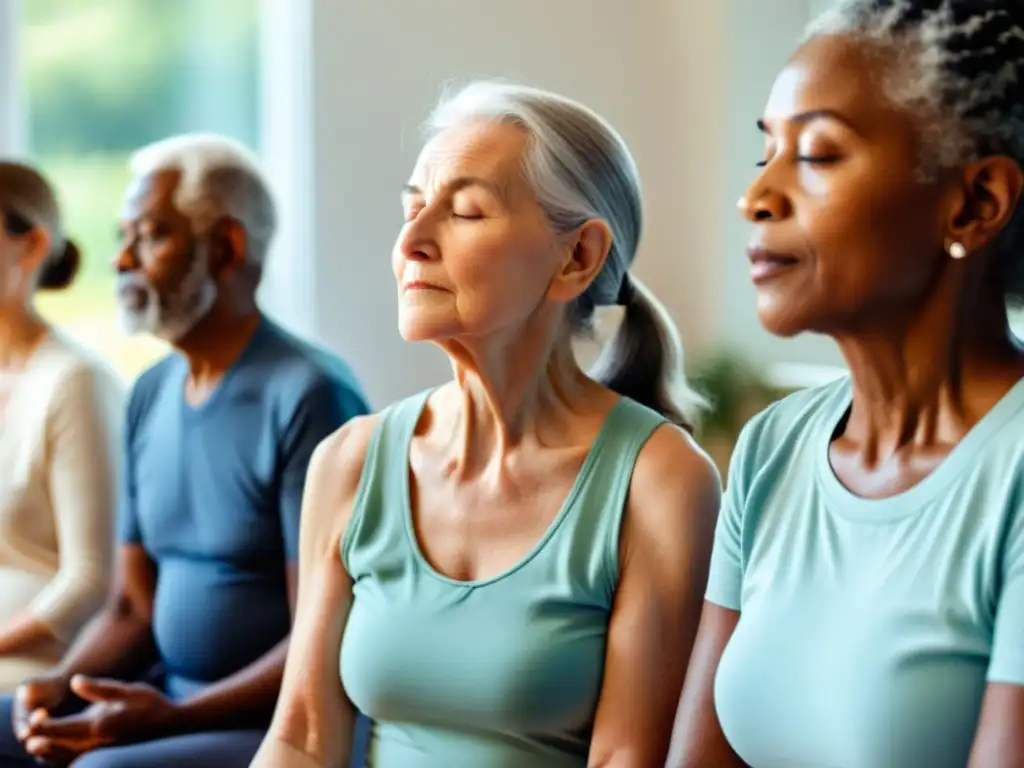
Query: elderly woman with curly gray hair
[(865, 606)]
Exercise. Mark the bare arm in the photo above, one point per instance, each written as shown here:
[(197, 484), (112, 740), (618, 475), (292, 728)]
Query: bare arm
[(665, 548), (999, 742), (244, 698), (313, 723), (24, 633), (698, 741), (118, 642)]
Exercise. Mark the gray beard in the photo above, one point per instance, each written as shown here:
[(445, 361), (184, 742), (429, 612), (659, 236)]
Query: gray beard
[(169, 318)]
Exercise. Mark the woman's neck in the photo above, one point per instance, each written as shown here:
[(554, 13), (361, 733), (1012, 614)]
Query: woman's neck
[(928, 382), (21, 331), (507, 392)]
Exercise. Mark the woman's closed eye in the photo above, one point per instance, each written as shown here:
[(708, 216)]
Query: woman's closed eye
[(811, 159), (818, 159), (464, 206)]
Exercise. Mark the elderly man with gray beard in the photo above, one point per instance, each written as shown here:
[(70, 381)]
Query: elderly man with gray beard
[(184, 663)]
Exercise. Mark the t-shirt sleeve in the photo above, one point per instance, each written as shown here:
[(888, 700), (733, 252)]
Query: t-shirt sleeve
[(725, 578), (324, 407), (1007, 662)]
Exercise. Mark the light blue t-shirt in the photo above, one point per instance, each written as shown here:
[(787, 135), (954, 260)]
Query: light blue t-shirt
[(868, 628)]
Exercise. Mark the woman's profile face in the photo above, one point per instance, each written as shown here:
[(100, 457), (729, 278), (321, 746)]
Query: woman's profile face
[(844, 228), (475, 255), (21, 253)]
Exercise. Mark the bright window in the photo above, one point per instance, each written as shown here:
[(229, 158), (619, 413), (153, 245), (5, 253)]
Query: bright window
[(100, 78)]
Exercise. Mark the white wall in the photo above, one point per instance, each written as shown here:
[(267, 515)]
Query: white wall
[(683, 82), (12, 115), (761, 37), (819, 6)]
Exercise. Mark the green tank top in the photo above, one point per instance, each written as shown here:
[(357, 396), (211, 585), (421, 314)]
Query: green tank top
[(504, 671)]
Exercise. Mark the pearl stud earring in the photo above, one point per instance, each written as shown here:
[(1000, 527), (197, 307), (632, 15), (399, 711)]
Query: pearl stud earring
[(957, 250)]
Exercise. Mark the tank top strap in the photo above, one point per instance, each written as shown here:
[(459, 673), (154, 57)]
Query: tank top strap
[(594, 523), (378, 512)]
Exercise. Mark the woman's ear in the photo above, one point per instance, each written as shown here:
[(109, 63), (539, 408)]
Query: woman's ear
[(587, 248), (34, 248), (991, 190)]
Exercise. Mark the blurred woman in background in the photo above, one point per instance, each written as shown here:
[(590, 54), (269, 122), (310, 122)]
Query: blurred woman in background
[(865, 607), (515, 559), (60, 417)]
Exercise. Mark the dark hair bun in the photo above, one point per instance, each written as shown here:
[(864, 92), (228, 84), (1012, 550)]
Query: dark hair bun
[(60, 271)]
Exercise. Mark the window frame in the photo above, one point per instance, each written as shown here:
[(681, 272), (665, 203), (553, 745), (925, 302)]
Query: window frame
[(286, 143), (288, 289)]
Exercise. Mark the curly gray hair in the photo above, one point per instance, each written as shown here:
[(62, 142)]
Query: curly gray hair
[(959, 66)]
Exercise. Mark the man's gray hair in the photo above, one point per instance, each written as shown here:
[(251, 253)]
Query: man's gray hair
[(580, 169), (219, 178)]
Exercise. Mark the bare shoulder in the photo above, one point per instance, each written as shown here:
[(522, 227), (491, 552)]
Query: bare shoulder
[(675, 484), (333, 479), (342, 453)]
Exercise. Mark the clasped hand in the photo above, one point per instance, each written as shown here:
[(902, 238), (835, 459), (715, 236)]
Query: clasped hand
[(117, 713)]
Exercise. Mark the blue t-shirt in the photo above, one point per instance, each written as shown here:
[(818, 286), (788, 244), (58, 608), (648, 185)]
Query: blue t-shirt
[(868, 628), (213, 494)]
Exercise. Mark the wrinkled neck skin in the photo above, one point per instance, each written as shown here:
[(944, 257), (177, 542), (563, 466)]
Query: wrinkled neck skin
[(511, 389), (924, 379)]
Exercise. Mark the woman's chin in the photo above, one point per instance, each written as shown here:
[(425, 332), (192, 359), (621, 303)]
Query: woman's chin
[(421, 329), (782, 320)]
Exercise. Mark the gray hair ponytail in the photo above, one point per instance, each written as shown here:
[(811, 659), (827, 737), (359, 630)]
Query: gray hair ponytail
[(580, 169)]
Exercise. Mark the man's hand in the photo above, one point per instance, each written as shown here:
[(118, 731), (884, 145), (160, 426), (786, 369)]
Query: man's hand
[(119, 713), (61, 752), (40, 695)]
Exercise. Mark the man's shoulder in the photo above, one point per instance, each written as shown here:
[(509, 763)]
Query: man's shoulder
[(147, 386), (293, 369)]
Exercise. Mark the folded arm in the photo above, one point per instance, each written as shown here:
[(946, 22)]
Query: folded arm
[(118, 642), (243, 699)]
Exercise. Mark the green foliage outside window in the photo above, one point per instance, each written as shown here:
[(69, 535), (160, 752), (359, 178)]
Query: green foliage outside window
[(103, 77)]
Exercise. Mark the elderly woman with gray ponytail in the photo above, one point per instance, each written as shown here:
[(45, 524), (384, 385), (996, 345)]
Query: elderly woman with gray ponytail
[(515, 560)]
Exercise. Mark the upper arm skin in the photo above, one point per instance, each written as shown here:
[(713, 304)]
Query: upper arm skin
[(316, 720), (698, 741), (119, 639), (999, 741), (134, 586), (665, 548)]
